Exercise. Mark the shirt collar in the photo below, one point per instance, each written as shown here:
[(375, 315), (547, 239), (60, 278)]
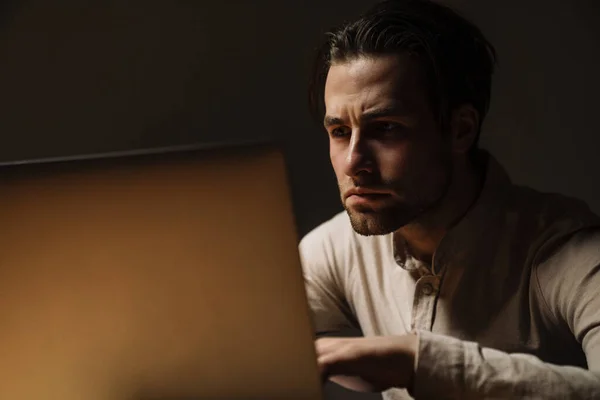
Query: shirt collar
[(460, 238)]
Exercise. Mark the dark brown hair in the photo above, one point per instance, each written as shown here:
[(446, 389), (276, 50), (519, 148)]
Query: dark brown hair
[(457, 59)]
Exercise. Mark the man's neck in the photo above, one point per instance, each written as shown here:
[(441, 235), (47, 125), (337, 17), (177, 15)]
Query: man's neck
[(423, 236)]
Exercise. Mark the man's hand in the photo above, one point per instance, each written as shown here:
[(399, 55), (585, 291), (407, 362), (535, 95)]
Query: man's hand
[(368, 364)]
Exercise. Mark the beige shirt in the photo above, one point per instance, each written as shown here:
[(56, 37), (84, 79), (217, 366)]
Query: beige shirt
[(509, 308)]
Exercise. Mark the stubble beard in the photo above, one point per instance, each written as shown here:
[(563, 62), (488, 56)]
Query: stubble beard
[(369, 222), (386, 219)]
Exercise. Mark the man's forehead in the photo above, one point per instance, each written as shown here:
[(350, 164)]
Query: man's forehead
[(372, 83), (363, 70)]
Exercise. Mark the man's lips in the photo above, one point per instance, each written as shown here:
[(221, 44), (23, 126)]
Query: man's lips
[(357, 196), (363, 192)]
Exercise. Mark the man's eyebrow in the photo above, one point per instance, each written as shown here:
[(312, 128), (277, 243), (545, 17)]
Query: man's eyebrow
[(330, 121), (389, 111), (367, 116)]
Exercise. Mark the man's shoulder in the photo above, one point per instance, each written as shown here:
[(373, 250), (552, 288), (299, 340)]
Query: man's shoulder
[(535, 210), (551, 222), (552, 212)]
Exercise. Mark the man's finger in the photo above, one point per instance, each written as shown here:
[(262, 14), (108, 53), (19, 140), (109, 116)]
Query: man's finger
[(327, 345), (338, 362)]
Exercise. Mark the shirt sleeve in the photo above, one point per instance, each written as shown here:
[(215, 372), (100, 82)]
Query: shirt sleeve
[(328, 305), (569, 282)]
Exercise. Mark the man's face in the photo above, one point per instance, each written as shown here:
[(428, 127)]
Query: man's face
[(391, 160)]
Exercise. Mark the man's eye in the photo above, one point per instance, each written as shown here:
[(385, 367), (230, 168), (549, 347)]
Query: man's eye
[(388, 129), (388, 126), (341, 131)]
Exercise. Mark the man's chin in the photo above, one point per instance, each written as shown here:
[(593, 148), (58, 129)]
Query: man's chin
[(371, 222)]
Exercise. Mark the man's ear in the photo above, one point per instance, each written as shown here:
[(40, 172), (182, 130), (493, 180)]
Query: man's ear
[(464, 126)]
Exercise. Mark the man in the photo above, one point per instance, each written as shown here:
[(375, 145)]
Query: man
[(463, 284)]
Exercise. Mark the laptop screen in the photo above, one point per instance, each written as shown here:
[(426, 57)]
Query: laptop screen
[(153, 275)]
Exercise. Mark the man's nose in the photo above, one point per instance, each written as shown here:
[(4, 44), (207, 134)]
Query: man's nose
[(358, 157)]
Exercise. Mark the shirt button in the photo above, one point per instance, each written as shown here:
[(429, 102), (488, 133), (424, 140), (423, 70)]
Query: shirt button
[(427, 289)]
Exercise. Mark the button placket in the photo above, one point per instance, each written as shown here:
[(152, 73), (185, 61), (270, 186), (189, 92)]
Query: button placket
[(424, 303), (427, 289)]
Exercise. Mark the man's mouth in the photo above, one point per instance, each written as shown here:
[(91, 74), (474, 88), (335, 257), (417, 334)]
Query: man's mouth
[(365, 198)]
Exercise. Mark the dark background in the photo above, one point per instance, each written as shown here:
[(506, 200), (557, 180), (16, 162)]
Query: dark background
[(79, 77)]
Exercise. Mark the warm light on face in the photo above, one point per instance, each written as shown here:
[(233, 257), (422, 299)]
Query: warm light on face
[(384, 137)]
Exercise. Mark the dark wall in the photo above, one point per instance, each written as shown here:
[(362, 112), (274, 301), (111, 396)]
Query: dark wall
[(542, 123), (87, 77), (79, 78)]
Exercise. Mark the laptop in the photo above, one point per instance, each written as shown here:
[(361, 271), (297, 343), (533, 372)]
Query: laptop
[(157, 274)]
